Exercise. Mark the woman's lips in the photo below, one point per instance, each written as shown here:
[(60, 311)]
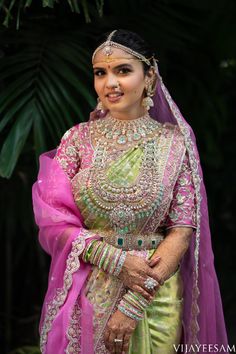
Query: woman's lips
[(114, 97)]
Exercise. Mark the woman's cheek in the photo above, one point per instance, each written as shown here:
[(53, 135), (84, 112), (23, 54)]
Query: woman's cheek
[(98, 85)]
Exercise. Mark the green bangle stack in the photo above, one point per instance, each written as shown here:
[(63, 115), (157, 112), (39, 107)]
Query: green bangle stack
[(105, 256), (133, 305)]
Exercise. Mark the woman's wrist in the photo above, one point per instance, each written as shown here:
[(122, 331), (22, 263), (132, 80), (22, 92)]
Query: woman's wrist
[(133, 305), (171, 251), (105, 256), (130, 311), (165, 270)]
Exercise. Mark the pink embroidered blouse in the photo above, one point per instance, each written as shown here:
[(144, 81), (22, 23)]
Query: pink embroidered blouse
[(75, 152)]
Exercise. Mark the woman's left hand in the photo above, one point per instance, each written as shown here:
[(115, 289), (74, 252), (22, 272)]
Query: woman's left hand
[(119, 327)]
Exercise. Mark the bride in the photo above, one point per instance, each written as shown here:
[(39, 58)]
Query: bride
[(122, 211)]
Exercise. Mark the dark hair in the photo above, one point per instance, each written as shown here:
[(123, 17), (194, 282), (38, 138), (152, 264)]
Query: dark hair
[(133, 41)]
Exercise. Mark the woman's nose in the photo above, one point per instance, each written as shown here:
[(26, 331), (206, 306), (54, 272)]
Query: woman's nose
[(111, 81)]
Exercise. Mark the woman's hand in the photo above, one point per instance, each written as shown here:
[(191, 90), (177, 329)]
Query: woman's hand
[(135, 272), (119, 327)]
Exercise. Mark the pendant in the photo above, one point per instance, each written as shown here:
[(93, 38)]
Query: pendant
[(122, 139), (122, 218)]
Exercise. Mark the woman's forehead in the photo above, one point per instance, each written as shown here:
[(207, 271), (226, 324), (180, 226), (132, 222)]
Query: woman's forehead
[(117, 56)]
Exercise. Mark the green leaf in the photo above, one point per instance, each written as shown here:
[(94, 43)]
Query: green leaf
[(28, 3), (15, 141), (67, 73), (48, 3), (86, 12), (13, 111), (48, 81), (26, 350), (40, 144)]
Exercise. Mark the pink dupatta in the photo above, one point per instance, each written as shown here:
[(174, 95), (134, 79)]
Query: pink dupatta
[(62, 238), (203, 319)]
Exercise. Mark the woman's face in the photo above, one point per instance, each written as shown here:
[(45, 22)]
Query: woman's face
[(119, 83)]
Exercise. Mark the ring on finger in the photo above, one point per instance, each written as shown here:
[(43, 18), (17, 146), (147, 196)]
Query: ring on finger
[(118, 345), (150, 283)]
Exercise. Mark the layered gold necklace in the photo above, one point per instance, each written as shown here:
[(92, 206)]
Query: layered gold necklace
[(124, 204), (123, 132)]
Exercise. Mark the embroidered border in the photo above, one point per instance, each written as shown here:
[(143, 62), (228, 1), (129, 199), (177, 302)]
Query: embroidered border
[(74, 331), (197, 184), (99, 345), (72, 265)]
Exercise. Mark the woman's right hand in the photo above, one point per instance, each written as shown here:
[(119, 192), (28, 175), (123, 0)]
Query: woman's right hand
[(134, 273)]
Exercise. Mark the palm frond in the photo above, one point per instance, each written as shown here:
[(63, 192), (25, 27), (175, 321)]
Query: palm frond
[(26, 350), (14, 8), (45, 85)]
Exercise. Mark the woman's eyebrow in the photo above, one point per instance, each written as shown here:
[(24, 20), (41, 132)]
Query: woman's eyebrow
[(115, 67), (122, 65)]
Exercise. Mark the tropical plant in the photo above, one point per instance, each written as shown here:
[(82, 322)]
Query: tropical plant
[(26, 350), (45, 75), (8, 7)]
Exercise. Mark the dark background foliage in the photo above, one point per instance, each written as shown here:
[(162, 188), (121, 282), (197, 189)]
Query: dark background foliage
[(46, 87)]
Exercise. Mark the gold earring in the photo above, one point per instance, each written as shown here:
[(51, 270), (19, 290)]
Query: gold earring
[(147, 101), (100, 106)]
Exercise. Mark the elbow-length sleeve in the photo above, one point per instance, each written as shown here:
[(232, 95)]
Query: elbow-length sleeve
[(56, 213), (182, 211), (68, 152)]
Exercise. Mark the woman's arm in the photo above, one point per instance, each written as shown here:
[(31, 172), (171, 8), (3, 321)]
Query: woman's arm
[(68, 153), (131, 270), (169, 254), (179, 223), (105, 256), (171, 251)]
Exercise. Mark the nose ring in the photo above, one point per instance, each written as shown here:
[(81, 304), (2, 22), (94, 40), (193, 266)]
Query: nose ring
[(117, 86)]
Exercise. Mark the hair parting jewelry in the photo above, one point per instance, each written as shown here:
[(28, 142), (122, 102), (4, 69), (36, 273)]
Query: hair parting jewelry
[(109, 44)]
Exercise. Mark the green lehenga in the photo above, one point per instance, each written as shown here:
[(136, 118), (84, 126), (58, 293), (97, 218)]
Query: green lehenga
[(162, 324)]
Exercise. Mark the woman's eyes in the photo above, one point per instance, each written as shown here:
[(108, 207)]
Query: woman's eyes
[(122, 71), (99, 72)]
